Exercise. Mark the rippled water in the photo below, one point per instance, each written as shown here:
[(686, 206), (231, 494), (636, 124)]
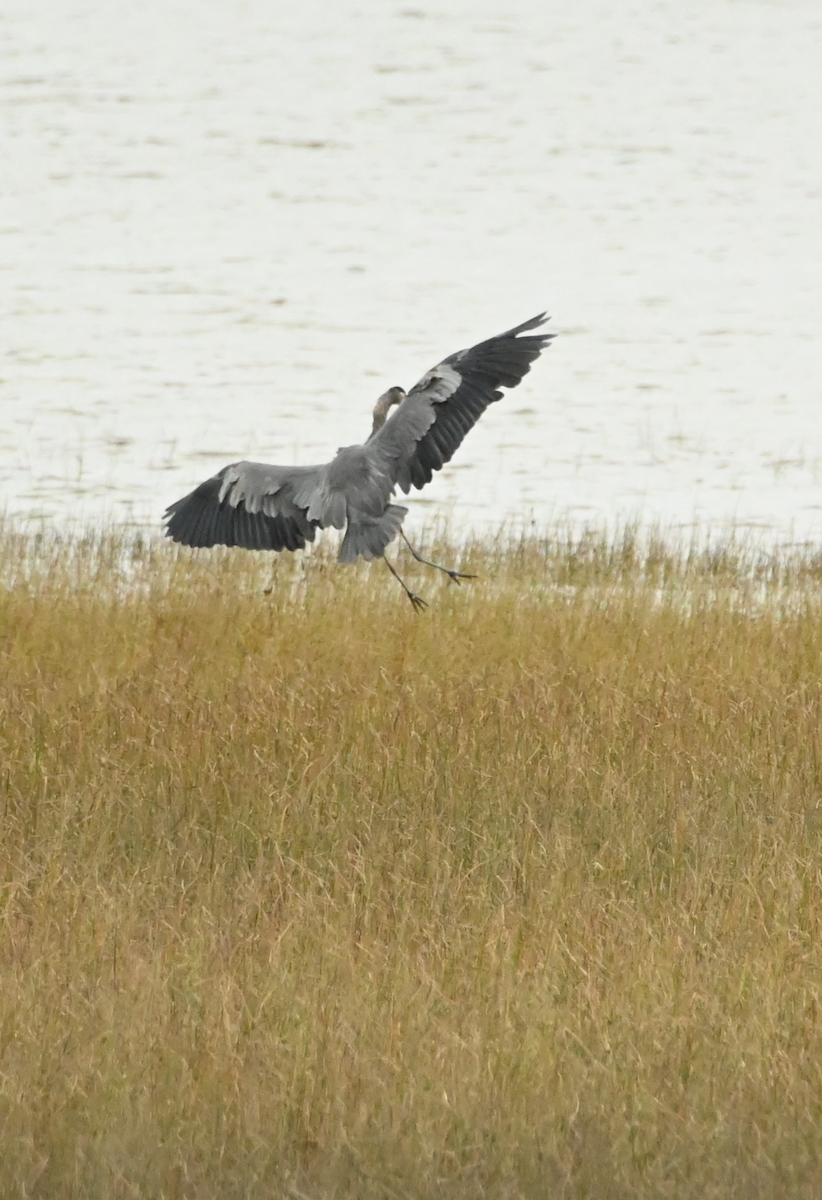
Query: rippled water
[(225, 229)]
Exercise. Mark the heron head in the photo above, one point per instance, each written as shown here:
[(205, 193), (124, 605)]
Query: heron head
[(394, 395)]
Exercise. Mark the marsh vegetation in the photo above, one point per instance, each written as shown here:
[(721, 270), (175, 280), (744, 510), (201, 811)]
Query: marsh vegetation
[(305, 895)]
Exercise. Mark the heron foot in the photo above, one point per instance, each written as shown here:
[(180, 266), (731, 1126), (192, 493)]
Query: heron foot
[(419, 604), (455, 576)]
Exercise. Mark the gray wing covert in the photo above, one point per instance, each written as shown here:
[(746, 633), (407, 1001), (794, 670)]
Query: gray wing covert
[(431, 422), (253, 505)]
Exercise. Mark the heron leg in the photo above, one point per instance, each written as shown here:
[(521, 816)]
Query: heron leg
[(455, 576), (417, 601)]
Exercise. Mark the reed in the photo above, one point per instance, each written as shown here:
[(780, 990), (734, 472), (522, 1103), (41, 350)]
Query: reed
[(304, 895)]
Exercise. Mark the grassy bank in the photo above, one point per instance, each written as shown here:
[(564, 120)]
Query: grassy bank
[(304, 895)]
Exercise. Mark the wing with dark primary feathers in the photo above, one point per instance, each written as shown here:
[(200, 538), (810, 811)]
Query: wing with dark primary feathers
[(247, 504), (430, 423)]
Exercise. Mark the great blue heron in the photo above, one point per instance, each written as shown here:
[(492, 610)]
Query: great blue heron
[(264, 507)]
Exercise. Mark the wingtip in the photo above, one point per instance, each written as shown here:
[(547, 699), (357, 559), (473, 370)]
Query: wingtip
[(534, 323)]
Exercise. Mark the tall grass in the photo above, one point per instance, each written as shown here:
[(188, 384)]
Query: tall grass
[(303, 895)]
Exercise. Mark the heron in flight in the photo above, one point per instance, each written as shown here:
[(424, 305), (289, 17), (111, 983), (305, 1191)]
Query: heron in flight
[(263, 507)]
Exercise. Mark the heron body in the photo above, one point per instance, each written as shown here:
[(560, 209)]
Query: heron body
[(264, 507)]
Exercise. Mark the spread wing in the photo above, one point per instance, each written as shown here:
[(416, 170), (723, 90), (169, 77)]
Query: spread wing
[(248, 504), (430, 423)]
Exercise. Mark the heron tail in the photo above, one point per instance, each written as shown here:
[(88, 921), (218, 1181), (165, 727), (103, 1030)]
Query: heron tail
[(366, 537)]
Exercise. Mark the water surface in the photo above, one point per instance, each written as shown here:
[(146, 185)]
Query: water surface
[(225, 229)]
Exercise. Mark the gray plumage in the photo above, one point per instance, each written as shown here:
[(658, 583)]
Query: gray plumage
[(262, 507)]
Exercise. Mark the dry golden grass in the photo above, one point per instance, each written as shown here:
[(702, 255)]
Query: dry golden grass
[(304, 895)]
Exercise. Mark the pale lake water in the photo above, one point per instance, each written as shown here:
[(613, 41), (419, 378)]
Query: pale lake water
[(225, 228)]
